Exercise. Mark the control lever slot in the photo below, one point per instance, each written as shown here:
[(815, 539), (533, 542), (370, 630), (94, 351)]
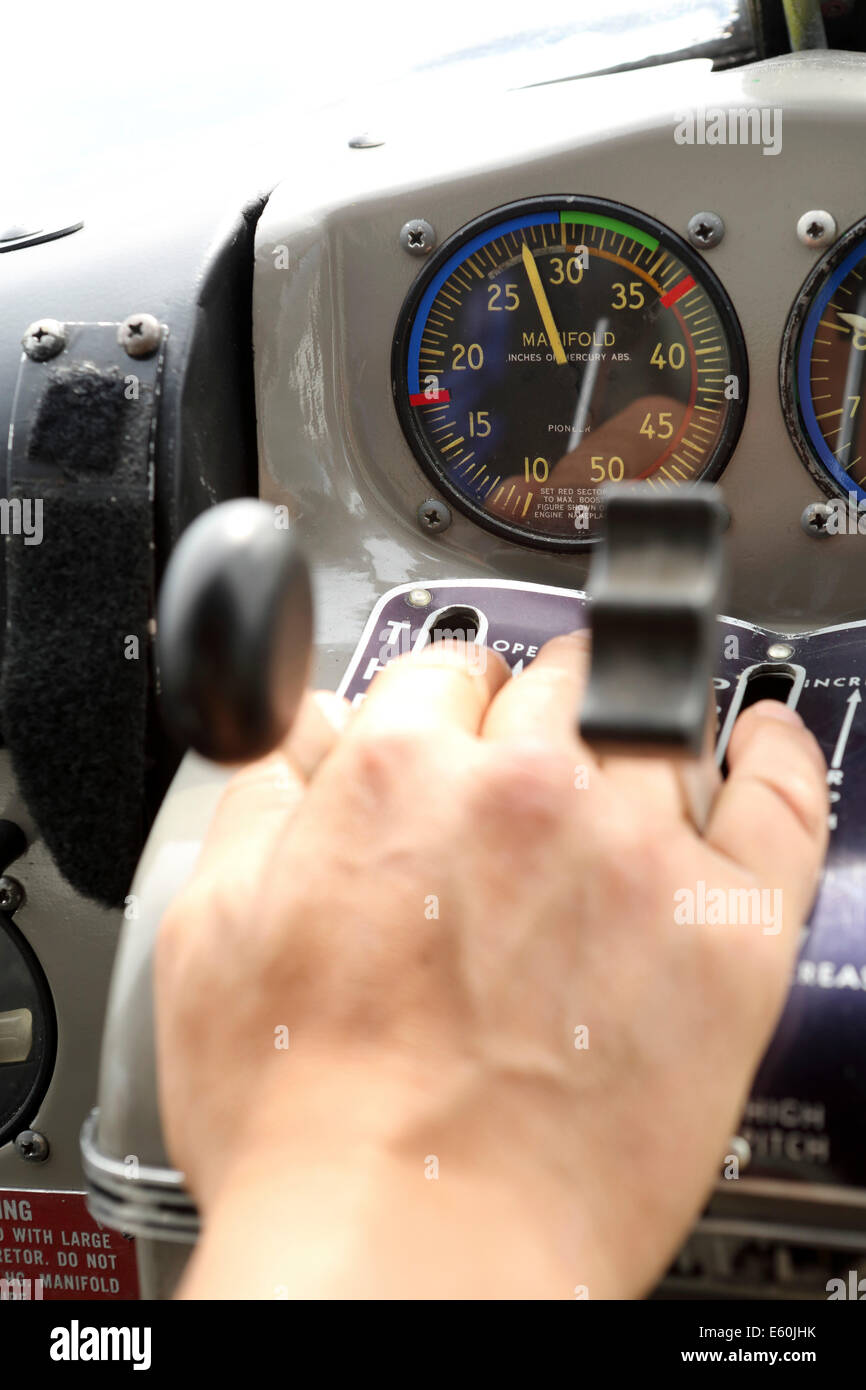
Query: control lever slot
[(766, 680), (459, 621)]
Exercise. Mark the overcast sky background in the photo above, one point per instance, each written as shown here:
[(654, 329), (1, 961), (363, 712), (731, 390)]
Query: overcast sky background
[(92, 93)]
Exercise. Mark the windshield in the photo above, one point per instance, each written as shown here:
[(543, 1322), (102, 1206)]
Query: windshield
[(107, 94)]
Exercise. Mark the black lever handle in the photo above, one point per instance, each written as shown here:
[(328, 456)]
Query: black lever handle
[(234, 632), (656, 588)]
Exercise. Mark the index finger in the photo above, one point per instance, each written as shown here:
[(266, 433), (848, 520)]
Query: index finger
[(260, 798), (447, 684), (542, 702)]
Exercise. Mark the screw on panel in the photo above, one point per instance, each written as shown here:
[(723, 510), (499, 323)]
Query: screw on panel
[(816, 228), (419, 598), (417, 237), (365, 142), (779, 651), (32, 1146), (434, 516), (44, 339), (705, 229), (11, 895), (815, 518), (140, 335)]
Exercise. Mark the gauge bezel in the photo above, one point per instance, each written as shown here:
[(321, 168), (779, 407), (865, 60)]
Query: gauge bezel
[(691, 259), (37, 1069), (822, 469)]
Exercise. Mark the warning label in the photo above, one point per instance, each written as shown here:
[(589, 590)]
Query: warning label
[(51, 1248)]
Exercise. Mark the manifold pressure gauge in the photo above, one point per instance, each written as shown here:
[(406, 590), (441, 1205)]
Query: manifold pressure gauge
[(560, 345)]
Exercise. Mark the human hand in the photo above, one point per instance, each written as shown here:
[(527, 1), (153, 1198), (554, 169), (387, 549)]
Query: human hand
[(432, 903)]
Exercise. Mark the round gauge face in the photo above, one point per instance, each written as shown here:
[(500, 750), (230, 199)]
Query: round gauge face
[(558, 346), (823, 368)]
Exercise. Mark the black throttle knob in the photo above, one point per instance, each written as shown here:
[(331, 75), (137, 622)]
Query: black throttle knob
[(234, 632), (656, 586)]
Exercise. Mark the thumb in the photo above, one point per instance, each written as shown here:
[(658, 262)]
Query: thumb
[(771, 815)]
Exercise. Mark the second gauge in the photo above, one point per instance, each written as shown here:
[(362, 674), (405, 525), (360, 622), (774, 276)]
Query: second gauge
[(823, 368), (558, 345)]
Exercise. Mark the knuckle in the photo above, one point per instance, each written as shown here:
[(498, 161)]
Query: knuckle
[(378, 767), (524, 786), (807, 798), (639, 861), (803, 792), (788, 762), (378, 757)]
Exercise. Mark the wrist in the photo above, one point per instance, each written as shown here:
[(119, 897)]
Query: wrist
[(362, 1224), (357, 1186)]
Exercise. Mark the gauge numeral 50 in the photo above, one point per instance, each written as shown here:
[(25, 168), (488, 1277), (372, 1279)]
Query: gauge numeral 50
[(606, 470)]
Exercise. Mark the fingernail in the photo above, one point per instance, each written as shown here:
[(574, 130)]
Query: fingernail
[(774, 709)]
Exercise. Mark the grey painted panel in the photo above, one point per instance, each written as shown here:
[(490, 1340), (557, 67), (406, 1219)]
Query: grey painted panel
[(330, 444)]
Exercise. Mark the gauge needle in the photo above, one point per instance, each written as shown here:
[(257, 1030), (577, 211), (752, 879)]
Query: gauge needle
[(550, 327), (587, 387), (853, 386)]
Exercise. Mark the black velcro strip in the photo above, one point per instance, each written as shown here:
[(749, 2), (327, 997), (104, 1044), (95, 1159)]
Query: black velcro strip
[(77, 667)]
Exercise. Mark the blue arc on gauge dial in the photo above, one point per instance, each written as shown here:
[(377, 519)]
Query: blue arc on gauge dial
[(831, 370)]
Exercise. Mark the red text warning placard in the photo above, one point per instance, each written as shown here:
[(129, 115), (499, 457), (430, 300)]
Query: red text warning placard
[(51, 1248)]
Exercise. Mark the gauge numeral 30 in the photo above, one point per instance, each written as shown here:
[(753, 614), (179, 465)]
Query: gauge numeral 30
[(570, 270)]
